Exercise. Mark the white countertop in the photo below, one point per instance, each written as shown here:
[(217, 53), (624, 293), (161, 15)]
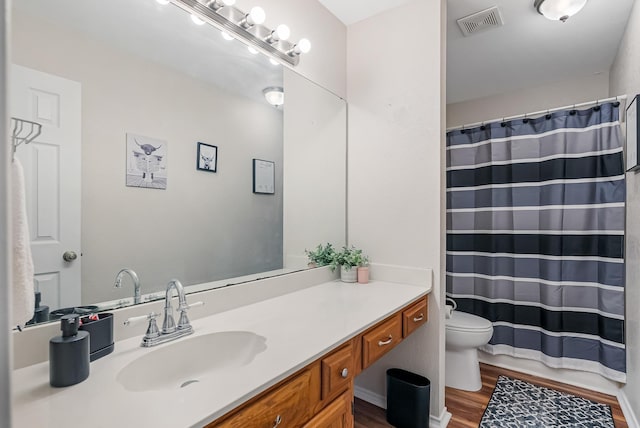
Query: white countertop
[(299, 328)]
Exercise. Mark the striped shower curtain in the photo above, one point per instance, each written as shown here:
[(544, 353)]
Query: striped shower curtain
[(535, 236)]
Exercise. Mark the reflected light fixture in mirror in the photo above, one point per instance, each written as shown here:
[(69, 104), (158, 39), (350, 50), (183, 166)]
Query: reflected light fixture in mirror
[(274, 95), (196, 20), (559, 10)]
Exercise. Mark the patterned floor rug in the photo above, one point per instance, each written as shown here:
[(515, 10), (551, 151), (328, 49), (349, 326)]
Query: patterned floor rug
[(516, 403)]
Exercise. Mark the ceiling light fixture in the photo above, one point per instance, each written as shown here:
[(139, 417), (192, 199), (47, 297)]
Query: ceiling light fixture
[(163, 2), (226, 35), (274, 95), (253, 50), (559, 10), (247, 27)]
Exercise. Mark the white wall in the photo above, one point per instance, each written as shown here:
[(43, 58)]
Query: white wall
[(625, 79), (315, 169), (204, 226), (536, 98), (395, 172), (326, 63), (5, 244)]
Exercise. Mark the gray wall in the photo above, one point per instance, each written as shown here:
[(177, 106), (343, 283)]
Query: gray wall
[(204, 226), (625, 79)]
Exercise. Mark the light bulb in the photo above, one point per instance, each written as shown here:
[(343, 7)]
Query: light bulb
[(252, 50), (282, 32), (304, 45), (226, 35), (256, 16), (229, 2), (163, 2), (196, 20), (273, 61)]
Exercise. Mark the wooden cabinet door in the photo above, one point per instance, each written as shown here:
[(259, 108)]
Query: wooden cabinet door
[(286, 406), (336, 415), (337, 371)]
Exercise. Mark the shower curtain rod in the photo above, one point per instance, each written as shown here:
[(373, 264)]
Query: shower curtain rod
[(620, 98)]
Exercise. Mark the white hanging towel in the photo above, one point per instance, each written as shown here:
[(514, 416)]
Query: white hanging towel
[(22, 293)]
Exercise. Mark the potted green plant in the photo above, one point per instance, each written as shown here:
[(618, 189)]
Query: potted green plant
[(321, 256), (348, 259)]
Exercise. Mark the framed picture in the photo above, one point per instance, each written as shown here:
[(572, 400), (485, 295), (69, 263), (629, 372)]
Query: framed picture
[(633, 138), (146, 162), (264, 177), (207, 158)]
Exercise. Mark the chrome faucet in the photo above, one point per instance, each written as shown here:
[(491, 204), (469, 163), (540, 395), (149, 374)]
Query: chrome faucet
[(169, 325), (170, 331), (137, 298)]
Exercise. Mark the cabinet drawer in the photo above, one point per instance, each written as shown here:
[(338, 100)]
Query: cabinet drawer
[(289, 403), (335, 415), (337, 371), (381, 340), (414, 317)]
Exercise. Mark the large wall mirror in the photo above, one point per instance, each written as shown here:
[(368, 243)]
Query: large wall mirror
[(160, 153)]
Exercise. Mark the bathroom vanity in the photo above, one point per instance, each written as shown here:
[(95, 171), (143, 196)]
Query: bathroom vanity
[(288, 360)]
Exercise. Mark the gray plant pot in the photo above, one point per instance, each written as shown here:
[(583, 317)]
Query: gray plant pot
[(350, 275)]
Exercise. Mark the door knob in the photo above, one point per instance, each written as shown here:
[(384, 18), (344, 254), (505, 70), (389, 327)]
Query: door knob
[(69, 256)]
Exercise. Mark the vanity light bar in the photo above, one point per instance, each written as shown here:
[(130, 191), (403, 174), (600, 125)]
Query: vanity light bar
[(232, 21)]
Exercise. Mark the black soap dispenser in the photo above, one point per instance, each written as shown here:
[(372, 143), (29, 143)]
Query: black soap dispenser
[(41, 313), (69, 353)]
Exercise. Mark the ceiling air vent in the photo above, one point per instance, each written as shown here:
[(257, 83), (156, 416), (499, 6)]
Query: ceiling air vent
[(481, 21)]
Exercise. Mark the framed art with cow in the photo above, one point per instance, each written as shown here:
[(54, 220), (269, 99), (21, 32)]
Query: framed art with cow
[(207, 159), (146, 162)]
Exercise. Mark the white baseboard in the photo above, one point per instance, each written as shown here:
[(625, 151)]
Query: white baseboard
[(629, 414), (381, 401), (370, 397)]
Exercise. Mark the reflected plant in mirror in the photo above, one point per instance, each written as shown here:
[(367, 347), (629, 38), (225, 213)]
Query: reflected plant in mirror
[(145, 69)]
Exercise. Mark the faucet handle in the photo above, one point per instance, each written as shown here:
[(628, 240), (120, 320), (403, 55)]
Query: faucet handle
[(184, 320), (136, 320), (152, 329)]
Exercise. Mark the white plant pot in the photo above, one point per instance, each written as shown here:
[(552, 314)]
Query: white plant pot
[(348, 275)]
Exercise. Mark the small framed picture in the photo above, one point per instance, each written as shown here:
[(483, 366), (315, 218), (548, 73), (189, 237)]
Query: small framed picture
[(633, 137), (264, 176), (207, 157)]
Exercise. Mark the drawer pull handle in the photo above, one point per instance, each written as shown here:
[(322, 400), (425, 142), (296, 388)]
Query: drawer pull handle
[(344, 373), (277, 422), (418, 318), (386, 342)]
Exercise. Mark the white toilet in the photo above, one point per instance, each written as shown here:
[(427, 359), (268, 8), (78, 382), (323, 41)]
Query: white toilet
[(464, 334)]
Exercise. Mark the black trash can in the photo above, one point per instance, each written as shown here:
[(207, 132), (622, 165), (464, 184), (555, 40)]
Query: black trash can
[(407, 399)]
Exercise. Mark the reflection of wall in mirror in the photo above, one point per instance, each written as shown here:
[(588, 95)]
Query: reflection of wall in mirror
[(316, 169), (123, 93)]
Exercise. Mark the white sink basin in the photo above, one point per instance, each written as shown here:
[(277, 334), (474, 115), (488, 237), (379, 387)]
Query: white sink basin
[(178, 364)]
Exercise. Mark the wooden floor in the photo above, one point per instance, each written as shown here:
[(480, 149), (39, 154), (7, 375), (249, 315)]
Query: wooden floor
[(467, 407)]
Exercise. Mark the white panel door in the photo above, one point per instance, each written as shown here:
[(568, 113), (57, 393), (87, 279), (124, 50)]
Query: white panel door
[(53, 179)]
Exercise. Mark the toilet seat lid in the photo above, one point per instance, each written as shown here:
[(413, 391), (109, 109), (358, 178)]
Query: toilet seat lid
[(464, 321)]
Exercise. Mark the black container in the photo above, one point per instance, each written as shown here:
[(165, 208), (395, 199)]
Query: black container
[(80, 310), (101, 334), (41, 312), (69, 354), (407, 399)]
